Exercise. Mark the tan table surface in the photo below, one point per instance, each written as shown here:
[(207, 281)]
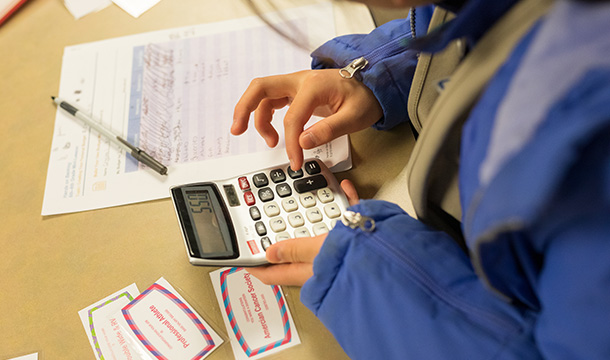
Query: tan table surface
[(52, 267)]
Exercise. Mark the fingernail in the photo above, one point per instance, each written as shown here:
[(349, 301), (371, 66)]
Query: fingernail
[(274, 254), (292, 162), (309, 140)]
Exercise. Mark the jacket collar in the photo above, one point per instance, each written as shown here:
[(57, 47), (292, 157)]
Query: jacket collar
[(474, 18)]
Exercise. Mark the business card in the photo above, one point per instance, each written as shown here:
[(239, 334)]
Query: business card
[(106, 337), (163, 324), (256, 315)]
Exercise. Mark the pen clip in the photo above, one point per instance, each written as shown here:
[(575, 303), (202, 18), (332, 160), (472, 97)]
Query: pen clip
[(144, 158)]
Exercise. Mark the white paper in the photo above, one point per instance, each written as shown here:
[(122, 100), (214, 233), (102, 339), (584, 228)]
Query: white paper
[(107, 339), (172, 93), (80, 8), (135, 8), (33, 356), (256, 315)]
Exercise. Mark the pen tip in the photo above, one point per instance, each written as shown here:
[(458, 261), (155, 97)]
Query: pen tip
[(53, 98)]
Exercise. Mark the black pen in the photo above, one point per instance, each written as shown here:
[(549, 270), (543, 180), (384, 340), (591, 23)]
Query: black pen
[(136, 152)]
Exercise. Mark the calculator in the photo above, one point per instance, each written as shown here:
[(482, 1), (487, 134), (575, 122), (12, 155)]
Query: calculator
[(232, 222)]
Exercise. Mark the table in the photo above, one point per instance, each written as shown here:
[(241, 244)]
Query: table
[(54, 266)]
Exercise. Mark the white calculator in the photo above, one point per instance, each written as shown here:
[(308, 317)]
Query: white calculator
[(232, 222)]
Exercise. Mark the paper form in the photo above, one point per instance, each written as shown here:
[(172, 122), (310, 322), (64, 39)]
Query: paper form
[(172, 93)]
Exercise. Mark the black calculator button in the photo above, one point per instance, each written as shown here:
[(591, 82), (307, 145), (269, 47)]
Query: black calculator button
[(260, 180), (312, 167), (265, 194), (295, 174), (310, 183), (261, 229), (277, 175), (283, 190), (265, 242), (255, 213)]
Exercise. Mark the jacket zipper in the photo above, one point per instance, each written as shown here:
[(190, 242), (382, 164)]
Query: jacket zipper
[(412, 21), (357, 221), (386, 50)]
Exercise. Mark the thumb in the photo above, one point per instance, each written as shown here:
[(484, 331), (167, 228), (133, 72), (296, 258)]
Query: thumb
[(300, 250)]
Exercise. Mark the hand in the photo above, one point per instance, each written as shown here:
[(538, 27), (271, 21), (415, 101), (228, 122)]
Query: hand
[(347, 104), (292, 260)]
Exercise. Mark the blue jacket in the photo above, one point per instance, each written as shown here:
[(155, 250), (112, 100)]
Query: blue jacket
[(535, 195)]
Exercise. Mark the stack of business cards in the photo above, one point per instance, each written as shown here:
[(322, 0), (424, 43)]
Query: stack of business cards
[(159, 324), (156, 324)]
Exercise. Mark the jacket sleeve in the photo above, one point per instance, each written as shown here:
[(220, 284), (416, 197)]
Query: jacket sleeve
[(390, 67), (405, 291), (573, 284)]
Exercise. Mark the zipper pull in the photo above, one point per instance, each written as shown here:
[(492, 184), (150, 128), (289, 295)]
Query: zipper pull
[(356, 65), (354, 220)]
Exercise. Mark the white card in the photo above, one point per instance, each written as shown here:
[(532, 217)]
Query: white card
[(33, 356), (161, 322), (136, 8), (256, 315), (107, 339), (80, 8)]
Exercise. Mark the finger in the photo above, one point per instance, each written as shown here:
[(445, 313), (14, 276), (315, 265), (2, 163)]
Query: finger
[(283, 274), (300, 250), (326, 130), (274, 87), (350, 192), (300, 111), (263, 116)]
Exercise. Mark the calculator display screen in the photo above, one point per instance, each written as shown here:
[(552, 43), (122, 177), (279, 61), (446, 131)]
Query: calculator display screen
[(206, 224), (205, 221)]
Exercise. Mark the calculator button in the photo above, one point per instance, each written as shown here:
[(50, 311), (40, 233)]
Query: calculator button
[(319, 229), (295, 174), (296, 220), (290, 204), (277, 224), (283, 190), (255, 213), (314, 215), (271, 209), (325, 195), (265, 194), (249, 198), (277, 175), (243, 183), (307, 199), (265, 242), (231, 195), (310, 184), (260, 180), (332, 210), (301, 232), (260, 228), (312, 167), (284, 235)]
